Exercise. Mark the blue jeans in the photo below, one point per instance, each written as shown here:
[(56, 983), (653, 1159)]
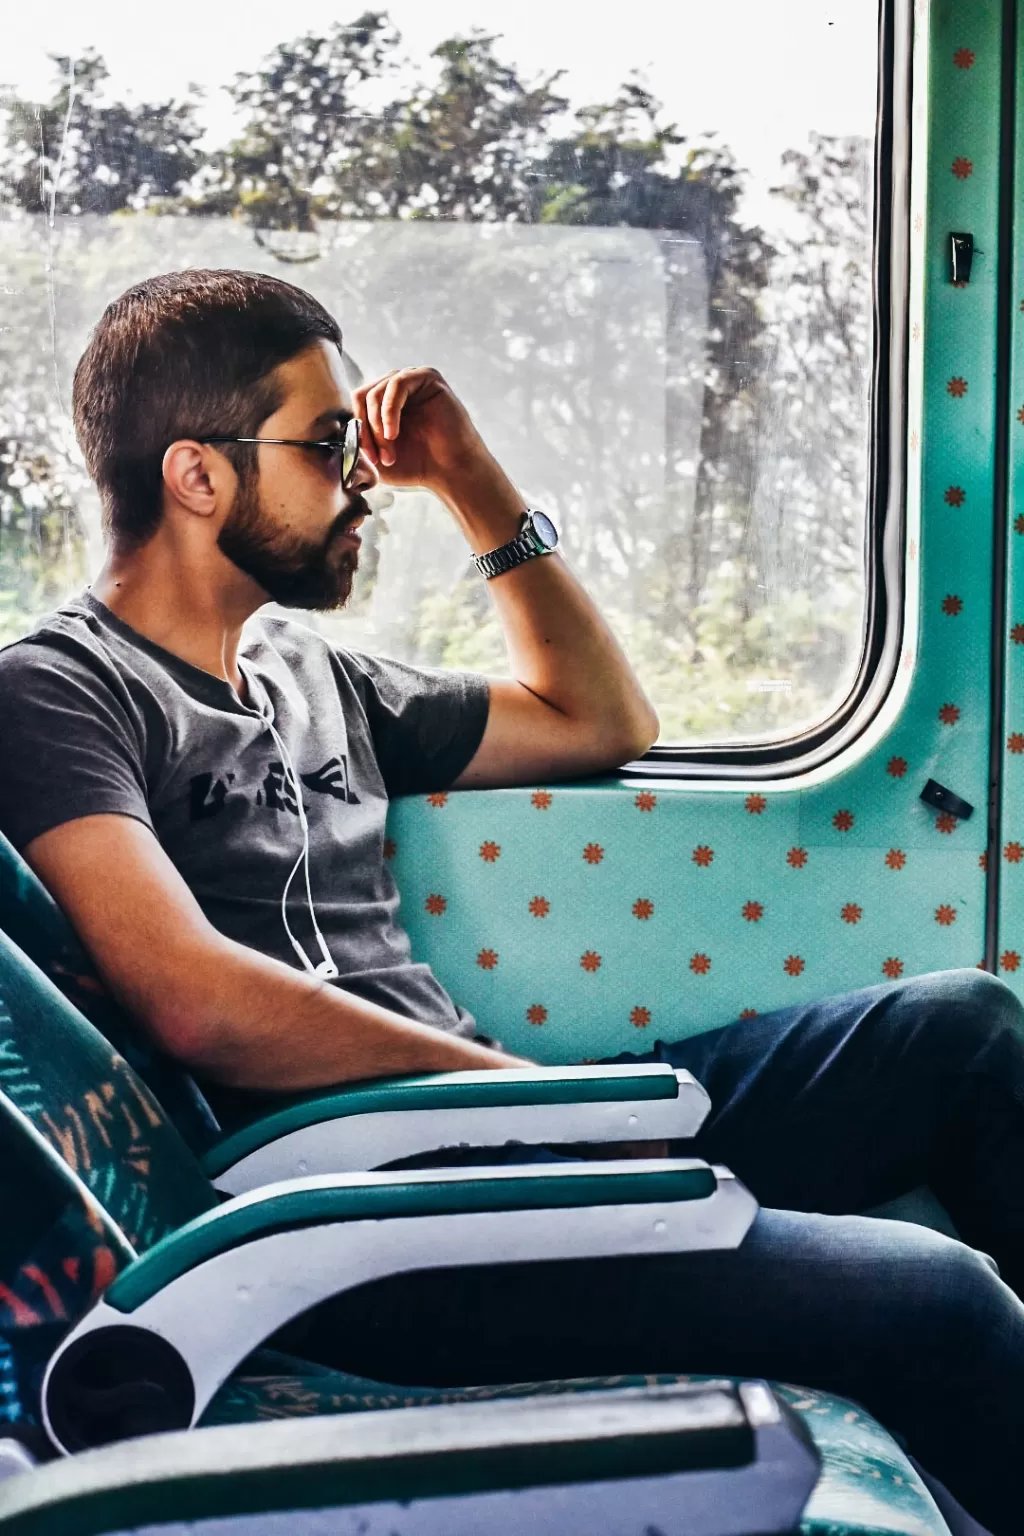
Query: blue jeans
[(823, 1110)]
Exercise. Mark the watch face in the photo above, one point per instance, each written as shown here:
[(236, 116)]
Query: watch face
[(544, 529)]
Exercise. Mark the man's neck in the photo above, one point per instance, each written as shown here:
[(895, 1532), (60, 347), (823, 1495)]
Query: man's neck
[(184, 615)]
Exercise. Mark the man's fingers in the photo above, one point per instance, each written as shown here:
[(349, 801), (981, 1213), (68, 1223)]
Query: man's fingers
[(372, 398), (395, 395)]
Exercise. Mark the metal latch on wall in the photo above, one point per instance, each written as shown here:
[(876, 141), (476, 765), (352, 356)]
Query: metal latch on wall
[(943, 799)]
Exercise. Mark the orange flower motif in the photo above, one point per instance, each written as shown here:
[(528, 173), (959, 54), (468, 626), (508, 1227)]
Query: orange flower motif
[(962, 168), (1009, 960), (489, 852), (590, 960), (641, 1017), (749, 1013), (796, 858), (438, 799), (390, 848), (1018, 523), (851, 913), (955, 496), (536, 1013), (842, 821), (487, 959), (793, 965), (702, 856), (1017, 634), (983, 861), (945, 821), (895, 858), (896, 767), (540, 799), (945, 915), (593, 853), (643, 908), (892, 968), (1015, 743), (949, 714), (753, 911), (952, 605), (1013, 853), (963, 58), (645, 801), (1020, 413), (540, 906), (435, 905), (700, 964), (755, 804)]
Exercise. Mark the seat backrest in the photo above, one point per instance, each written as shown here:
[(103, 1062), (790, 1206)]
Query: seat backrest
[(93, 1171), (74, 1088), (30, 916)]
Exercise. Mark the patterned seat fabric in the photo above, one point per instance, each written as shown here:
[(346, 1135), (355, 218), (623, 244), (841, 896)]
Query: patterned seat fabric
[(32, 919)]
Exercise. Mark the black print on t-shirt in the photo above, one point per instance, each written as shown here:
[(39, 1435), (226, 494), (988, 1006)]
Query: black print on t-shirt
[(332, 779), (207, 795), (277, 791), (206, 798)]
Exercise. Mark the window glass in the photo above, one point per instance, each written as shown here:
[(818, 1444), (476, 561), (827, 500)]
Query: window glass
[(640, 252)]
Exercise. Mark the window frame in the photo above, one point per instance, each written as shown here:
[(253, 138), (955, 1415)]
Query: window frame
[(885, 530)]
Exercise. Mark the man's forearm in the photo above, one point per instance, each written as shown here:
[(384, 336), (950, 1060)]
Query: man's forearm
[(249, 1021), (559, 644)]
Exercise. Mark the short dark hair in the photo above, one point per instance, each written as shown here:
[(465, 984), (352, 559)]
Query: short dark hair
[(187, 354)]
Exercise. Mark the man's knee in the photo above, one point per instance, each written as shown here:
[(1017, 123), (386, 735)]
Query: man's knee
[(963, 1014), (957, 1305)]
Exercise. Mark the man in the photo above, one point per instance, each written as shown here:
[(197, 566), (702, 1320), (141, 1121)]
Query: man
[(204, 793)]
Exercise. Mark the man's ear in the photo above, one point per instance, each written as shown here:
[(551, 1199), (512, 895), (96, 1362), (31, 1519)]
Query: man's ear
[(198, 478)]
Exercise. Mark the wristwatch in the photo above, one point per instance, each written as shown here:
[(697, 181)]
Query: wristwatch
[(537, 536)]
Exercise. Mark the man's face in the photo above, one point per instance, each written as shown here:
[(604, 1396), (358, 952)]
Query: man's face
[(293, 529)]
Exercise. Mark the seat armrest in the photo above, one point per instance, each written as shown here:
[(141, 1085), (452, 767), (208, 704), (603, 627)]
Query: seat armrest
[(690, 1457), (371, 1124), (177, 1322)]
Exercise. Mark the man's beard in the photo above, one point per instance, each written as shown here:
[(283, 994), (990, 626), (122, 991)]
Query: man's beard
[(295, 572)]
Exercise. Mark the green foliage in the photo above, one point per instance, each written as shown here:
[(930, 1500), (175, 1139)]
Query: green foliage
[(78, 153), (741, 566), (42, 542)]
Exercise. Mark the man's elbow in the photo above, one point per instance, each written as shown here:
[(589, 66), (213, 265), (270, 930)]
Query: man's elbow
[(185, 1015), (640, 736)]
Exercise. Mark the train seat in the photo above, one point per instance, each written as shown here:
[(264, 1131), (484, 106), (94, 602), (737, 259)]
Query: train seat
[(97, 1175)]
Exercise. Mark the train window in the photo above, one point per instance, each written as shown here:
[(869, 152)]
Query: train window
[(641, 252)]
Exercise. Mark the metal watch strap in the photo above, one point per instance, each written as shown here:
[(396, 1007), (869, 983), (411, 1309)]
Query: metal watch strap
[(508, 556)]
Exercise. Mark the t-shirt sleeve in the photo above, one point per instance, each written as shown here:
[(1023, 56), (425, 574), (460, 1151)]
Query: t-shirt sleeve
[(426, 725), (68, 747)]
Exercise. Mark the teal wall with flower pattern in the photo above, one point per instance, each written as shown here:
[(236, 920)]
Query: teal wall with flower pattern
[(579, 920)]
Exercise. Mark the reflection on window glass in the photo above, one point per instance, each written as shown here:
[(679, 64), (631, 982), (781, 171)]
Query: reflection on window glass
[(641, 257)]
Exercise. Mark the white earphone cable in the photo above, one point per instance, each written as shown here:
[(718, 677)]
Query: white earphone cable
[(326, 969)]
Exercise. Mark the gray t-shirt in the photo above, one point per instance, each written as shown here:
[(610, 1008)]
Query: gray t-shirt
[(95, 718)]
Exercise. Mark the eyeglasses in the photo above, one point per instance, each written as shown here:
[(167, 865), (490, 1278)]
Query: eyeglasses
[(344, 448)]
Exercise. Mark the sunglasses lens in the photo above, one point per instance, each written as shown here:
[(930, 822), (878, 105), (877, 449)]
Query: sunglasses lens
[(350, 451)]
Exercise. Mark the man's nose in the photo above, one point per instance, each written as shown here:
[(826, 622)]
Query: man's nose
[(365, 476)]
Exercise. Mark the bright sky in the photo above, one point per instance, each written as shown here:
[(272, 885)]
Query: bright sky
[(760, 74)]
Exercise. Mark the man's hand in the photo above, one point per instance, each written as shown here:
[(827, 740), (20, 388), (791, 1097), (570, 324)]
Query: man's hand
[(417, 432)]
